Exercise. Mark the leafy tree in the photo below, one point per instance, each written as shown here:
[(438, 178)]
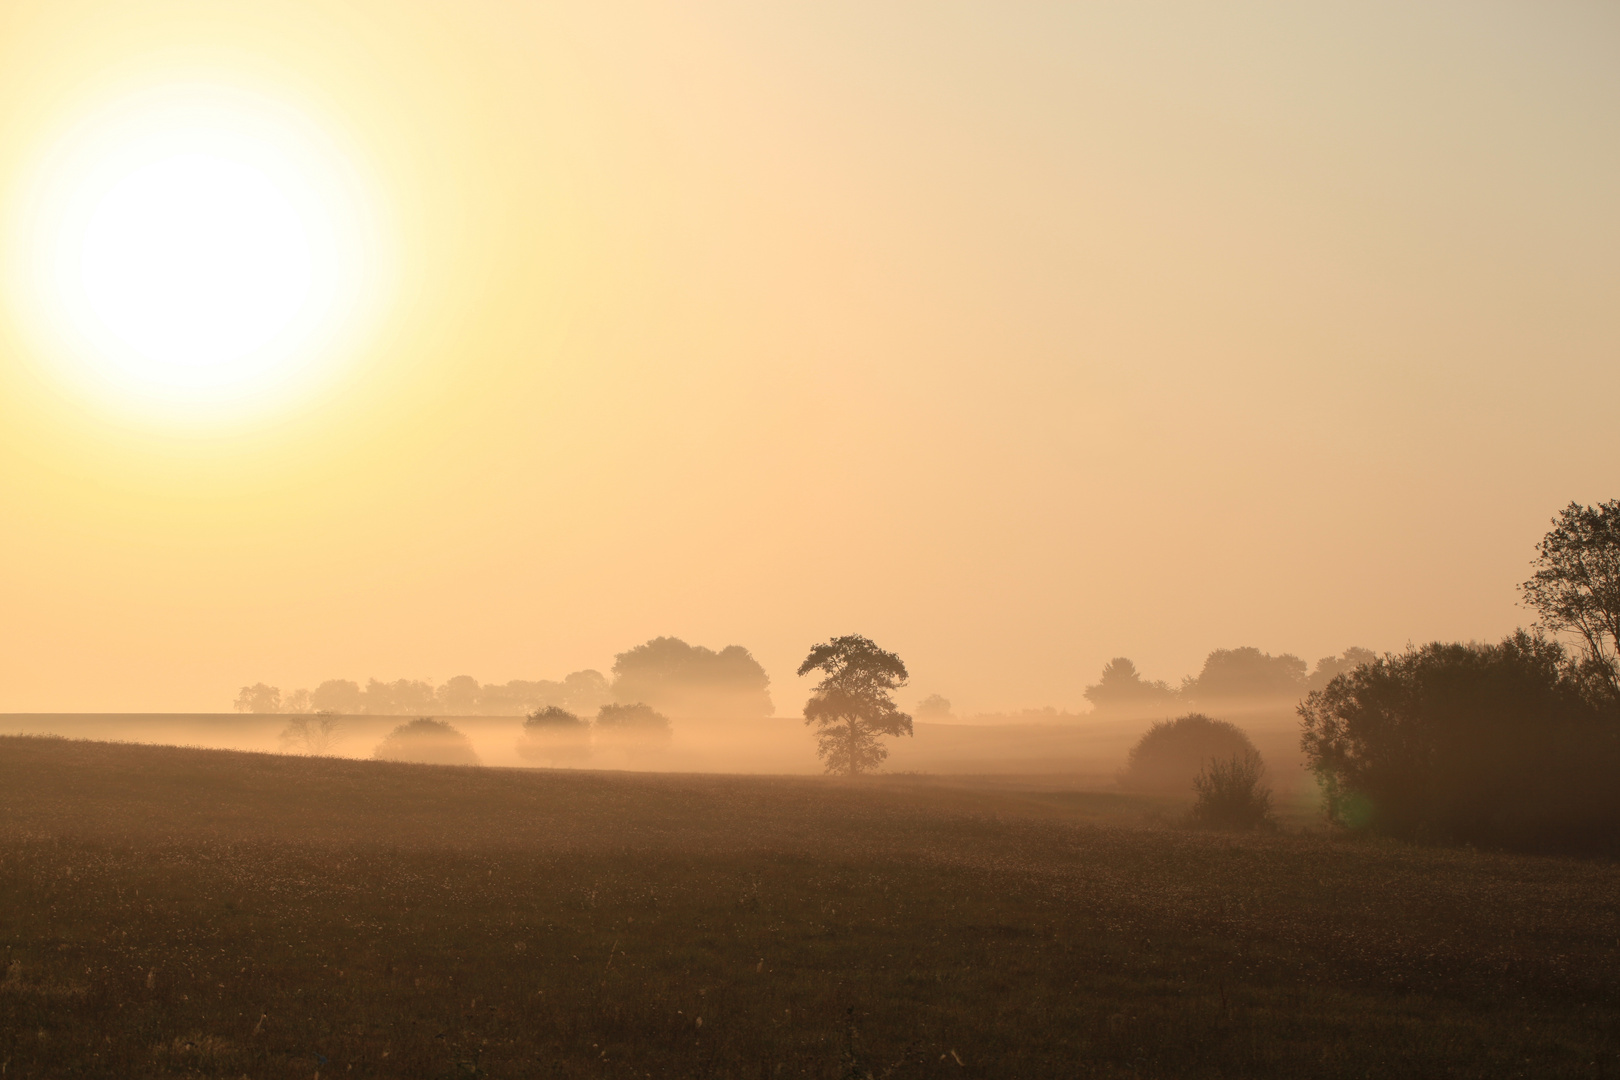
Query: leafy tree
[(851, 707), (1576, 586), (258, 698), (934, 707), (1500, 744), (1123, 690), (692, 681)]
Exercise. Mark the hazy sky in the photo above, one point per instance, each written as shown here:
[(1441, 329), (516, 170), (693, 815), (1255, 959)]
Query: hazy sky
[(1014, 336)]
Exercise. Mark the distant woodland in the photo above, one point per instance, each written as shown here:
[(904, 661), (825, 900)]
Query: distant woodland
[(677, 679)]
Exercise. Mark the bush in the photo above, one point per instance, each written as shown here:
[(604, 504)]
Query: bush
[(1169, 757), (427, 742), (1515, 744), (1230, 795), (554, 735)]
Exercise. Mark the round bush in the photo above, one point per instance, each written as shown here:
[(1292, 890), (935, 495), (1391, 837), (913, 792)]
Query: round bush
[(427, 742), (554, 735), (1170, 756)]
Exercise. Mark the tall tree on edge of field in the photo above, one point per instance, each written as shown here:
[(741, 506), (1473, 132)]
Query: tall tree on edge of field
[(1576, 586), (851, 708)]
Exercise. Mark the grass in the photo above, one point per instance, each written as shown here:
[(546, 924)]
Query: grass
[(169, 912)]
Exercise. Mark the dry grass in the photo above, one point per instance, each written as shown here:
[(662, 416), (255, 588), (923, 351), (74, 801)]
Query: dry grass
[(195, 913)]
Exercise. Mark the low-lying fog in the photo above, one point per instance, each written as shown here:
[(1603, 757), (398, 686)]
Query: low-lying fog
[(1082, 752)]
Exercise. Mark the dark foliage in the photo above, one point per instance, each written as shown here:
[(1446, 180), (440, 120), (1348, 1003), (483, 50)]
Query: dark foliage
[(1514, 744), (1576, 586), (851, 708), (1230, 794), (1168, 758)]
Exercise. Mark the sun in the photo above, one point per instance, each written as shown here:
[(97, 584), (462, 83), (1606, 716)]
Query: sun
[(198, 252)]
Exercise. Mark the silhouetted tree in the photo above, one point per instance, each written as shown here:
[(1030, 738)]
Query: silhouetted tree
[(311, 734), (1246, 676), (1170, 755), (258, 698), (691, 681), (1515, 743), (934, 707), (1576, 586), (1123, 690), (851, 707)]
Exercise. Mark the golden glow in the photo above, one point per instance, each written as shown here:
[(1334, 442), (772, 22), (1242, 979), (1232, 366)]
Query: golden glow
[(196, 253)]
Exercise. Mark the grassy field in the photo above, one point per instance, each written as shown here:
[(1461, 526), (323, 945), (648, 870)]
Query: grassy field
[(200, 913)]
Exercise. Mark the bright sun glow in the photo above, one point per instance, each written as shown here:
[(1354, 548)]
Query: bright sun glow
[(199, 252)]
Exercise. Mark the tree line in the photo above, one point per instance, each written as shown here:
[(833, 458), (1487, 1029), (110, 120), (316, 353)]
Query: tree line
[(680, 680)]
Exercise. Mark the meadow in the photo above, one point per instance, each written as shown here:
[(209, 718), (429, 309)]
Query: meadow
[(171, 912)]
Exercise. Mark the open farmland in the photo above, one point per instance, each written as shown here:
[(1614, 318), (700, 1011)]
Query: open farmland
[(179, 912)]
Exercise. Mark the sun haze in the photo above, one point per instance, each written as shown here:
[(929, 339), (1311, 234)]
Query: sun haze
[(414, 340)]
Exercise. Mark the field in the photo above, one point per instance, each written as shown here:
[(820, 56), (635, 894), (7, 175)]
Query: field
[(205, 913)]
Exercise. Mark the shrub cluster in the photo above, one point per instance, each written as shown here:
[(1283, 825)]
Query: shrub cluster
[(1230, 794), (1515, 744)]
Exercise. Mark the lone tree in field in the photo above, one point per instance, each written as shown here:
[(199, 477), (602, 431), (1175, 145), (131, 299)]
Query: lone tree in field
[(851, 708), (1576, 586)]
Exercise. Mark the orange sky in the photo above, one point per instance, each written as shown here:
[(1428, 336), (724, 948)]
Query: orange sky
[(1014, 336)]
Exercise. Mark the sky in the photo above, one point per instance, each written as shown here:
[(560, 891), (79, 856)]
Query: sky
[(1014, 336)]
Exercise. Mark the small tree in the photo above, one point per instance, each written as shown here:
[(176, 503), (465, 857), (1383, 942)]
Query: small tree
[(1576, 586), (851, 708), (313, 735), (1230, 795), (934, 707)]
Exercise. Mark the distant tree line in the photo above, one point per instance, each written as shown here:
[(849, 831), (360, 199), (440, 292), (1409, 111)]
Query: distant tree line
[(680, 680), (1231, 679)]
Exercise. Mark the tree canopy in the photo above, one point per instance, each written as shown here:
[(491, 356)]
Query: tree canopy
[(1576, 586), (1515, 743), (850, 707), (690, 681)]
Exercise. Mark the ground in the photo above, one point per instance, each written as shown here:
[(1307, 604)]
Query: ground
[(176, 912)]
